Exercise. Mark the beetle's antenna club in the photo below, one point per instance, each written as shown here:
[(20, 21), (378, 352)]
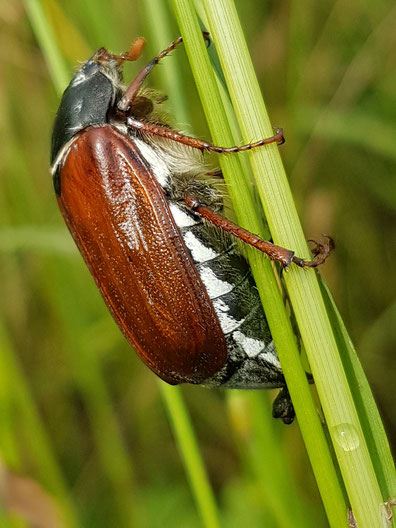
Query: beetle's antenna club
[(136, 49), (133, 88), (132, 55)]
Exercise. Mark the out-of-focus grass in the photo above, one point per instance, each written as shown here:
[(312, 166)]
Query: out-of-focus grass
[(327, 72)]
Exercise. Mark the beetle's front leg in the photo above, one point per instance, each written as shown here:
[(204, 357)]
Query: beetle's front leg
[(135, 51)]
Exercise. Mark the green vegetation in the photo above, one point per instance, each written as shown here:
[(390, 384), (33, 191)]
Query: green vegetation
[(80, 416)]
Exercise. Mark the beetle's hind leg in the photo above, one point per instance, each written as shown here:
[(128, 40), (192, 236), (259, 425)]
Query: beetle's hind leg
[(282, 255)]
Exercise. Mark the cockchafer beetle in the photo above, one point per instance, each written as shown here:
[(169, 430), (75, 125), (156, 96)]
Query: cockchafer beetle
[(150, 231)]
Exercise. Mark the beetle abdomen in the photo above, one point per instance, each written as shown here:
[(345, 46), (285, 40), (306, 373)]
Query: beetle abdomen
[(252, 361)]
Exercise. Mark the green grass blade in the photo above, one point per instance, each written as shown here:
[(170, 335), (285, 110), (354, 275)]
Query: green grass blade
[(303, 288), (373, 428), (278, 320), (46, 38), (189, 450), (264, 451), (159, 35)]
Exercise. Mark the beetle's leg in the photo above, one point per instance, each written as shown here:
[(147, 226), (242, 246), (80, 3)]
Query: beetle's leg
[(282, 255), (320, 252), (171, 134), (133, 88), (283, 407)]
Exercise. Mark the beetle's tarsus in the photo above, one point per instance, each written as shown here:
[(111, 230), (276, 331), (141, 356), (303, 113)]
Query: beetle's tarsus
[(320, 251), (283, 407), (279, 131)]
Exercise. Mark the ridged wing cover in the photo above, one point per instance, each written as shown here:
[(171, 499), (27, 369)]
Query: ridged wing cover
[(120, 220)]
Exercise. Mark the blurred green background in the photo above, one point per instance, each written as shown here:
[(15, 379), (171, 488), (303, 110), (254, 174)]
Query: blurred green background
[(83, 429)]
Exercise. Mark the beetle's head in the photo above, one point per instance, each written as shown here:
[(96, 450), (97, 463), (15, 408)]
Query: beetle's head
[(87, 100)]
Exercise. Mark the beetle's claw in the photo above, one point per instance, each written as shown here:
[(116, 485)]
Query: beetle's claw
[(320, 251)]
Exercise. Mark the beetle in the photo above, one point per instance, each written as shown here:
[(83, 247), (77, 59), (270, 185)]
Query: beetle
[(150, 230)]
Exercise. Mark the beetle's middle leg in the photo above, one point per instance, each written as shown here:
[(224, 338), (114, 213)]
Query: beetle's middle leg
[(196, 143)]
